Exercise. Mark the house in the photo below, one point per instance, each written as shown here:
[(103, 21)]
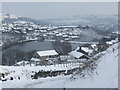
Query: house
[(87, 50), (22, 63), (102, 46), (42, 56), (34, 61), (78, 55), (94, 47), (109, 43), (64, 57)]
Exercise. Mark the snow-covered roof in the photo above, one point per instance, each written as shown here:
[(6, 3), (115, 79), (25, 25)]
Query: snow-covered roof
[(22, 22), (76, 54), (116, 32), (94, 46), (67, 26), (47, 53), (109, 42), (112, 41), (74, 36), (35, 59), (86, 49), (77, 48), (65, 35), (21, 62)]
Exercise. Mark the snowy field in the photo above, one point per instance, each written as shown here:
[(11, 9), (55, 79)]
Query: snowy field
[(104, 76)]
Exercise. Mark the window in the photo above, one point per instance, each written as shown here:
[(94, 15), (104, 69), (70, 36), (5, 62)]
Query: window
[(34, 56)]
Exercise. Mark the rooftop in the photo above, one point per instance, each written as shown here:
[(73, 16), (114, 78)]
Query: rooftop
[(76, 54), (47, 53)]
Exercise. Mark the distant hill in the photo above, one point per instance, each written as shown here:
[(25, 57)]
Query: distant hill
[(100, 22), (10, 18)]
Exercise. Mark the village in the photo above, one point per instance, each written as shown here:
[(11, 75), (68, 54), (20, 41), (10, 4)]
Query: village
[(19, 30), (49, 63), (80, 54), (62, 59), (59, 45)]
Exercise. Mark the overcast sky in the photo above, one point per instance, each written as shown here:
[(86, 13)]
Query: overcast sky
[(45, 10)]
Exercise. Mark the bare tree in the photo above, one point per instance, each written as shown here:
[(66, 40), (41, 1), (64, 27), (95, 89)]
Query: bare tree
[(62, 47)]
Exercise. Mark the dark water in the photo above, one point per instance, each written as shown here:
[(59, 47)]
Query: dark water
[(25, 50), (35, 46)]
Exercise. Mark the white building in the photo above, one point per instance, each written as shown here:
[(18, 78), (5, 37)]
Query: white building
[(43, 55)]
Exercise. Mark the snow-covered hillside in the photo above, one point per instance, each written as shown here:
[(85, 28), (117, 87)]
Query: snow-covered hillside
[(10, 16), (104, 76)]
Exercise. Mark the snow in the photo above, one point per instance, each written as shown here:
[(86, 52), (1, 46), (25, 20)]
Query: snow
[(104, 76), (109, 42), (21, 22), (74, 36), (76, 54), (25, 73), (3, 70), (86, 49), (83, 42), (94, 46), (5, 15), (112, 41), (21, 62), (47, 53), (107, 70), (35, 59), (67, 26), (77, 48), (117, 32)]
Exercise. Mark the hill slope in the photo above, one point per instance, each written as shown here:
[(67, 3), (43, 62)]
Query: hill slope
[(10, 18), (104, 76)]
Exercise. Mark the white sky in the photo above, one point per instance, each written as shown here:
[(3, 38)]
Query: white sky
[(45, 10)]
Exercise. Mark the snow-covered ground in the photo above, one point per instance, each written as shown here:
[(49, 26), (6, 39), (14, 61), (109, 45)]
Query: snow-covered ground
[(104, 76)]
